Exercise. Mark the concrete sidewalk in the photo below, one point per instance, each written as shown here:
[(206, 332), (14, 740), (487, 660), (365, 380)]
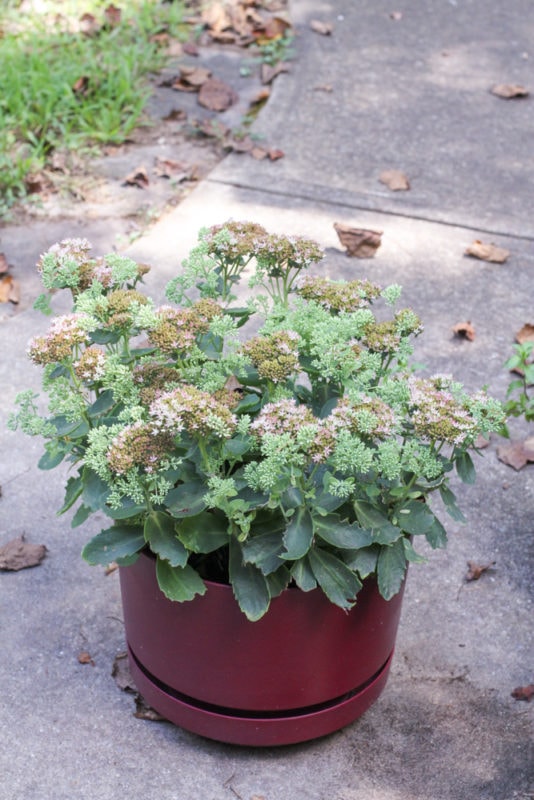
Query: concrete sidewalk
[(408, 93)]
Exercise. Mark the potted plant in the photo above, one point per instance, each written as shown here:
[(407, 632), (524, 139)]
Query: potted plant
[(266, 458)]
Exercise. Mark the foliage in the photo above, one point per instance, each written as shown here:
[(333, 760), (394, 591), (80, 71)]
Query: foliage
[(520, 401), (62, 86), (280, 438)]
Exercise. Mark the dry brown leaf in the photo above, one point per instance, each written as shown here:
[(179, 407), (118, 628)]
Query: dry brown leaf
[(191, 79), (464, 330), (476, 570), (526, 334), (13, 295), (524, 692), (216, 95), (358, 242), (487, 252), (259, 153), (139, 178), (508, 91), (4, 266), (274, 154), (190, 49), (324, 28), (268, 72), (20, 554), (395, 180), (85, 658), (274, 28), (516, 454), (261, 97), (144, 711), (89, 25), (216, 17), (81, 86), (168, 168), (176, 115), (120, 672), (112, 15), (241, 145)]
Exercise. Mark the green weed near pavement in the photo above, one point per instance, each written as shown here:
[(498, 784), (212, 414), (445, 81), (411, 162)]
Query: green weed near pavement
[(61, 88)]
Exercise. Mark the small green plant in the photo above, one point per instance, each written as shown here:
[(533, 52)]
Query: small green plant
[(521, 404), (63, 88), (271, 438)]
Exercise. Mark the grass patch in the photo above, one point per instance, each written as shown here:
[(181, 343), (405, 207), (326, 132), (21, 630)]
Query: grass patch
[(69, 83)]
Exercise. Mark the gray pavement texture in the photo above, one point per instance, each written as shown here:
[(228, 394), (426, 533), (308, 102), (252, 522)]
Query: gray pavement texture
[(409, 93)]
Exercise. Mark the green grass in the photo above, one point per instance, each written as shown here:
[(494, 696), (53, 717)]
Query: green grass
[(43, 56)]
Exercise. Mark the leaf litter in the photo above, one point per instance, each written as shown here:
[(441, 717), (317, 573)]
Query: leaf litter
[(121, 674), (20, 554), (358, 242), (395, 180), (487, 252)]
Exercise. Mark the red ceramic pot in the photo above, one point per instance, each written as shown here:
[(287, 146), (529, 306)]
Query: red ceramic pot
[(305, 669)]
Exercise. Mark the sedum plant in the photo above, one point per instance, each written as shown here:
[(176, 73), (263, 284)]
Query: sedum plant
[(277, 440)]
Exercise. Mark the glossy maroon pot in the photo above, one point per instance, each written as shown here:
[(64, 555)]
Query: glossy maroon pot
[(305, 669)]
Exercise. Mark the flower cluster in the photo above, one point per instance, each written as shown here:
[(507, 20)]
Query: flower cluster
[(189, 408), (275, 356), (177, 329), (338, 296), (65, 334), (138, 445)]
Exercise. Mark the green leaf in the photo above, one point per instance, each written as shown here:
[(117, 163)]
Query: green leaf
[(187, 500), (415, 518), (179, 583), (390, 569), (126, 510), (248, 404), (115, 542), (302, 574), (346, 535), (160, 534), (278, 581), (465, 468), (236, 447), (298, 535), (249, 585), (410, 553), (95, 490), (264, 551), (449, 500), (73, 490), (337, 581), (362, 561), (51, 457), (384, 532), (436, 535), (82, 514), (74, 430), (103, 403), (204, 533)]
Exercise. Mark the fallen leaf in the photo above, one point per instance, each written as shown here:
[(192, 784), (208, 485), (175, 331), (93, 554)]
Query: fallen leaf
[(120, 672), (464, 330), (81, 86), (112, 15), (526, 334), (516, 454), (274, 154), (243, 144), (216, 95), (324, 28), (167, 168), (476, 570), (395, 180), (487, 252), (139, 178), (4, 266), (111, 568), (19, 554), (524, 692), (190, 49), (176, 115), (216, 17), (261, 97), (269, 72), (85, 658), (481, 443), (13, 294), (259, 153), (274, 28), (144, 711), (509, 90), (89, 24), (34, 182), (359, 242), (396, 15)]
